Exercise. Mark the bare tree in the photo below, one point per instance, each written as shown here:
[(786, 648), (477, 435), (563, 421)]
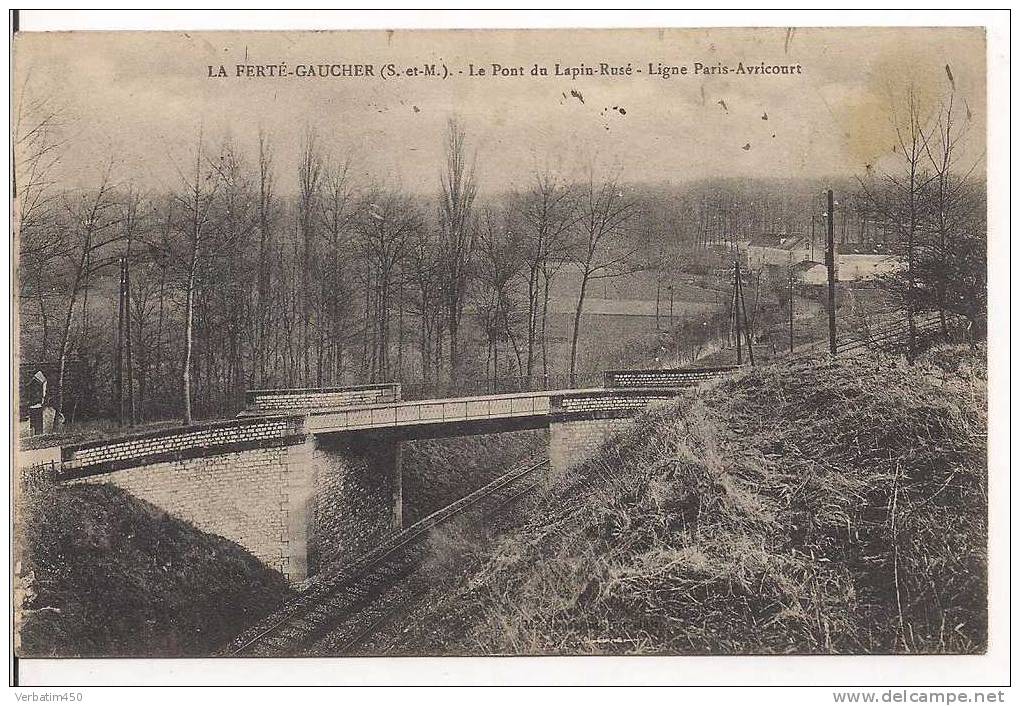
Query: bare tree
[(195, 200), (337, 209), (500, 263), (92, 216), (458, 232), (948, 265), (309, 181), (423, 263), (602, 253), (900, 197), (265, 216), (387, 223), (234, 222), (38, 144), (549, 211)]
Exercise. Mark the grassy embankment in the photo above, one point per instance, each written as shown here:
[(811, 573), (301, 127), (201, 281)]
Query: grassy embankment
[(102, 573), (827, 507)]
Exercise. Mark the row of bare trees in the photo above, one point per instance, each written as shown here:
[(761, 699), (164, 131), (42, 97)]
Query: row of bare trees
[(235, 285), (933, 201)]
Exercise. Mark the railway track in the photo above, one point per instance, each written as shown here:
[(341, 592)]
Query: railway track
[(347, 605)]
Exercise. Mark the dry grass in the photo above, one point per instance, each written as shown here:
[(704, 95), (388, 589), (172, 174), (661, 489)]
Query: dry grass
[(831, 507)]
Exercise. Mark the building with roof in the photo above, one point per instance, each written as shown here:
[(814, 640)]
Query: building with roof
[(855, 262), (778, 250), (810, 272), (863, 261)]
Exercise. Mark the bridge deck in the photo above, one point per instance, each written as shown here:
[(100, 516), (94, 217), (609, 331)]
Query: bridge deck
[(540, 406), (442, 411)]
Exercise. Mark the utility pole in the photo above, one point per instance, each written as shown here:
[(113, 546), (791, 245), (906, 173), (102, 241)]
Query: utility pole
[(671, 306), (736, 304), (790, 272), (747, 329), (120, 346), (132, 413), (830, 264)]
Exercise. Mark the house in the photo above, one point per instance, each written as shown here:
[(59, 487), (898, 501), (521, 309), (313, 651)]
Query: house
[(855, 262), (777, 249), (810, 272), (863, 261)]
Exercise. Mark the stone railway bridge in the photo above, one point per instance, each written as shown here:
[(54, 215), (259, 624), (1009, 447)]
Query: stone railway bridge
[(307, 477)]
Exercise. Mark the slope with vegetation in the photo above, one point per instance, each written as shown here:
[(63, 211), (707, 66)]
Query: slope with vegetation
[(823, 507), (102, 573)]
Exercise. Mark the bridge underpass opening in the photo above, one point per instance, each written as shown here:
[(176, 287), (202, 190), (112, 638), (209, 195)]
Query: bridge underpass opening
[(367, 485), (440, 470)]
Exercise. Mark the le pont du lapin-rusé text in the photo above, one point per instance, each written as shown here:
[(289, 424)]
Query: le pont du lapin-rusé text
[(495, 70)]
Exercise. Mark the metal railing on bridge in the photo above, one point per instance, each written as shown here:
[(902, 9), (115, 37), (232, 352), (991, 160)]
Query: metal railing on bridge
[(429, 412), (420, 390)]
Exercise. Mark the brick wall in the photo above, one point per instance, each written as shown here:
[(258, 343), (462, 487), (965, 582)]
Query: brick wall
[(574, 441), (357, 481), (314, 398), (257, 497), (662, 378)]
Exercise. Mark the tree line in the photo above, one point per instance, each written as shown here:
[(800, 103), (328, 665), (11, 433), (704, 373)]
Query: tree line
[(236, 283)]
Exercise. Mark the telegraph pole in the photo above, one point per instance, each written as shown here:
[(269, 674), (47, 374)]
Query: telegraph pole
[(747, 329), (671, 305), (127, 338), (120, 345), (736, 305), (830, 264), (790, 273)]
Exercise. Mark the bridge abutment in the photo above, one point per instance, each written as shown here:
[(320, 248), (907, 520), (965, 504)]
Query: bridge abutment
[(573, 441), (358, 495), (248, 481)]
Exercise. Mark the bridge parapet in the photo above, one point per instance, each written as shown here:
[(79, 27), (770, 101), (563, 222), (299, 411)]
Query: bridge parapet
[(606, 403), (311, 398), (667, 377), (180, 443)]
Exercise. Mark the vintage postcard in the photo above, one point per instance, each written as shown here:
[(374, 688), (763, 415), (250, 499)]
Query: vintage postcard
[(545, 342)]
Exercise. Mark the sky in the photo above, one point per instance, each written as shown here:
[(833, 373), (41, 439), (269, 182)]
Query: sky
[(143, 98)]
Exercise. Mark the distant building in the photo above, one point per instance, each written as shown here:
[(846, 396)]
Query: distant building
[(727, 243), (810, 272), (778, 249), (863, 261), (855, 262)]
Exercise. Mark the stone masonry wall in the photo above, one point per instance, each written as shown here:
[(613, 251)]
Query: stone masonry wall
[(662, 378), (357, 496), (574, 441), (177, 444), (619, 402), (258, 498), (312, 398)]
